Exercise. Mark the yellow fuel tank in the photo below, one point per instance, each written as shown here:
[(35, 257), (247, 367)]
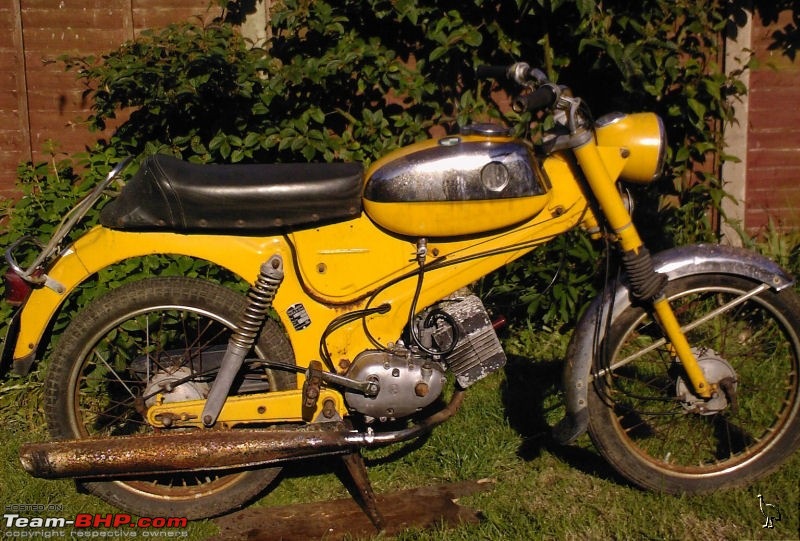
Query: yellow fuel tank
[(479, 181)]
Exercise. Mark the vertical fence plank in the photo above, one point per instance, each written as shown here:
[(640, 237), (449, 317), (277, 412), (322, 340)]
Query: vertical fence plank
[(22, 82), (15, 140)]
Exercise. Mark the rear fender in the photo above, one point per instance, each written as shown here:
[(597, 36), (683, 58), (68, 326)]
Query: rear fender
[(102, 247), (675, 263)]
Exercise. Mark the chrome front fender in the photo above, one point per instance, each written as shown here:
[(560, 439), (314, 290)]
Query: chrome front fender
[(675, 263)]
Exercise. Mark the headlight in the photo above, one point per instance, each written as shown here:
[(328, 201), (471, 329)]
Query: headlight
[(642, 140)]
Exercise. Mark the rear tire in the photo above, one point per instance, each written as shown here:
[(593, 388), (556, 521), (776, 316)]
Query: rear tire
[(652, 436), (91, 386)]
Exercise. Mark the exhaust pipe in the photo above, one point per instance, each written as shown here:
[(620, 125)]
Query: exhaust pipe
[(175, 452), (206, 450)]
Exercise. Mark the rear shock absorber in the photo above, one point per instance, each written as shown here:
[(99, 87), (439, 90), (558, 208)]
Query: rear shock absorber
[(260, 298)]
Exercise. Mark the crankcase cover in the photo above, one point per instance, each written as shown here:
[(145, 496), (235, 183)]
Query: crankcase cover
[(454, 186), (407, 383)]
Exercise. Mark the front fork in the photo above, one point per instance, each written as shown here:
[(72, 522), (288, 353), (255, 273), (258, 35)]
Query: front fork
[(646, 284)]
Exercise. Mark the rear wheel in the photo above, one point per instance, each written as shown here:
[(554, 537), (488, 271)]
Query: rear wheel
[(649, 425), (111, 360)]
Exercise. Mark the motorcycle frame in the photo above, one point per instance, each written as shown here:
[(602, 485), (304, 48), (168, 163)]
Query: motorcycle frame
[(354, 264)]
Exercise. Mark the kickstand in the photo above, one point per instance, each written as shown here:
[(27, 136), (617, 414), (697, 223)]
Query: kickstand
[(369, 503)]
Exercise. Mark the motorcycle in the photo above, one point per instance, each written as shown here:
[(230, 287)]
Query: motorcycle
[(178, 396)]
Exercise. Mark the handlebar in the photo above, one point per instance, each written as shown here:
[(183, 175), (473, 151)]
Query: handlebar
[(542, 98), (519, 72), (492, 72), (544, 95)]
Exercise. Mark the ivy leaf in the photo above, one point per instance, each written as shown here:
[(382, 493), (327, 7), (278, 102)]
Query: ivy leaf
[(585, 7), (437, 53), (473, 38), (697, 107)]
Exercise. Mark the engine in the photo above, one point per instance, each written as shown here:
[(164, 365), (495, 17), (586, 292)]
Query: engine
[(407, 381), (455, 335)]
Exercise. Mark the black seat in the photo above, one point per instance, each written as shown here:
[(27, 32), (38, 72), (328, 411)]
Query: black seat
[(172, 195)]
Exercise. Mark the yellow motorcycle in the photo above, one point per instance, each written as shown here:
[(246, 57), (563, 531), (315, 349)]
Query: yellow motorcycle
[(176, 396)]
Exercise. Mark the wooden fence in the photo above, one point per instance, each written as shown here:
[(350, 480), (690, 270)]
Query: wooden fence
[(40, 103), (773, 125)]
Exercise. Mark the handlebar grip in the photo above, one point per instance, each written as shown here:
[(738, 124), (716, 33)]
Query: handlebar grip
[(492, 72), (543, 97)]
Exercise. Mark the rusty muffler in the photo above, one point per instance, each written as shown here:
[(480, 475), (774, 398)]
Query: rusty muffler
[(175, 452), (206, 450)]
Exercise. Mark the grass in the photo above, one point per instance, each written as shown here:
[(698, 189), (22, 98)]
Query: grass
[(542, 491)]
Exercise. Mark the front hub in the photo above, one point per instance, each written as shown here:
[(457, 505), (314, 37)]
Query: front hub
[(722, 378)]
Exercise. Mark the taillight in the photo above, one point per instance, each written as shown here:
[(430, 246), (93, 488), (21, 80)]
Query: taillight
[(17, 289)]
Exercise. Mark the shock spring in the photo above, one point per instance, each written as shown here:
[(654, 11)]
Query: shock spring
[(260, 297)]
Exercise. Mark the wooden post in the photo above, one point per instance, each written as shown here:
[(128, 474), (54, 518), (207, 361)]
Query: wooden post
[(256, 26), (22, 84), (734, 175), (127, 22)]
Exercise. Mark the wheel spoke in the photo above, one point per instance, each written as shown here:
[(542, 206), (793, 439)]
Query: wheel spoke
[(114, 372)]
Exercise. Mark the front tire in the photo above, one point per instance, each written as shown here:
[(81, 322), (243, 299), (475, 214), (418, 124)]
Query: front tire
[(640, 419), (119, 344)]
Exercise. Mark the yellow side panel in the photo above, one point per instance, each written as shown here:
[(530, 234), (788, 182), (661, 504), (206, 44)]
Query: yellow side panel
[(344, 261)]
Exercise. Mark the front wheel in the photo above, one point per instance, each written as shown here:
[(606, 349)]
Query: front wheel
[(644, 418), (122, 351)]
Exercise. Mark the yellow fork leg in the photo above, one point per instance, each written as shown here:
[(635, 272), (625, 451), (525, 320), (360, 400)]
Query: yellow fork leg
[(672, 330), (603, 188)]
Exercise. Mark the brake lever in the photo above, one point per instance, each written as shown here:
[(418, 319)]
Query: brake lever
[(542, 98)]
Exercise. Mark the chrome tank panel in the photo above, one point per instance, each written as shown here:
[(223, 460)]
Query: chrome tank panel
[(457, 185), (456, 170)]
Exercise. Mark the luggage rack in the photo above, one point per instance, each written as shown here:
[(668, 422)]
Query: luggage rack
[(34, 274)]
